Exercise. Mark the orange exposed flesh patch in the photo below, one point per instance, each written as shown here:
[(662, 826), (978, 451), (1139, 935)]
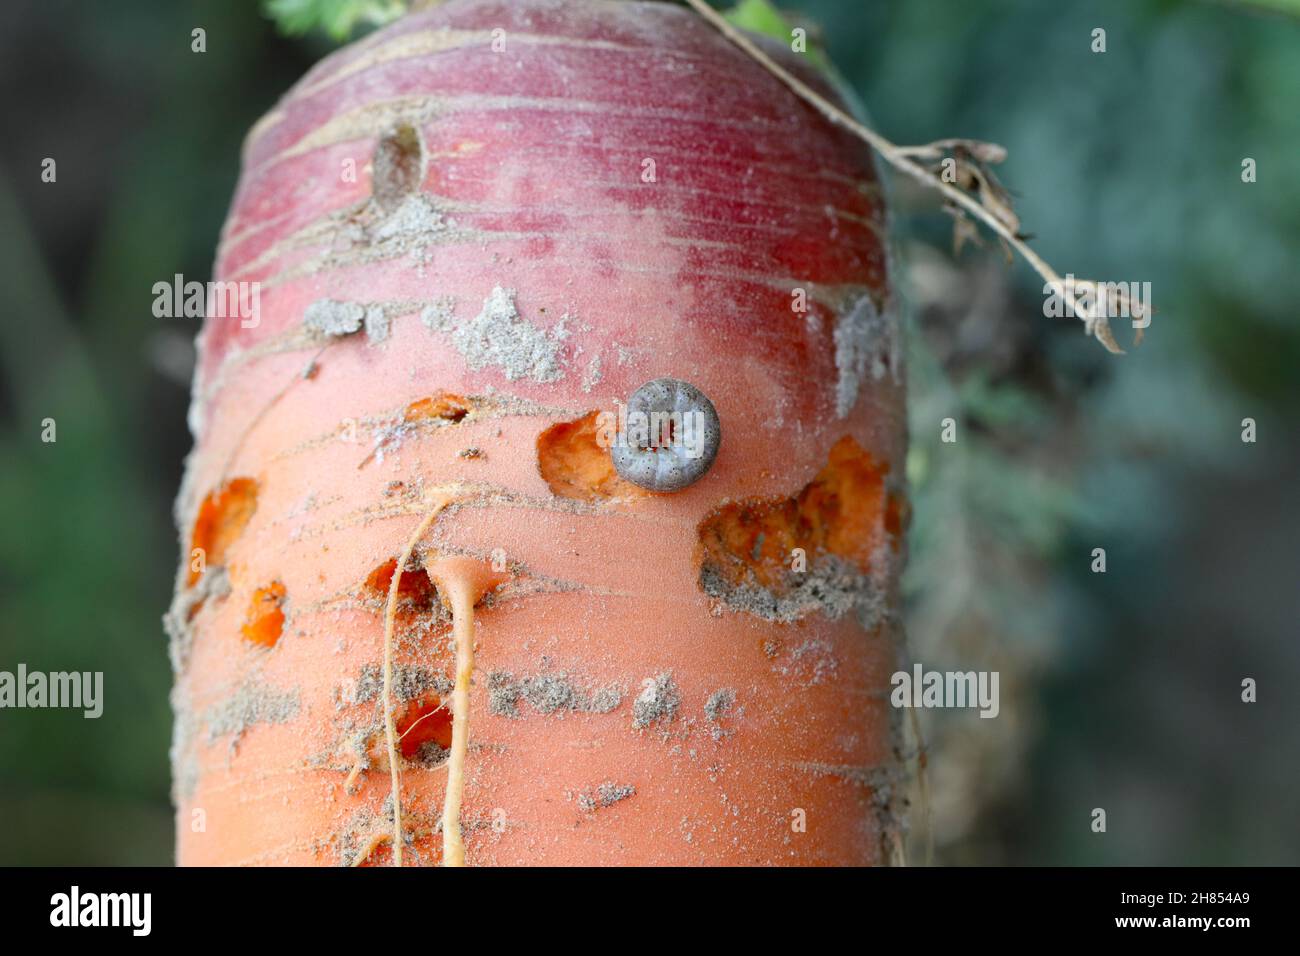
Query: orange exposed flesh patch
[(414, 589), (424, 721), (574, 465), (841, 512), (265, 620), (898, 515), (380, 855), (448, 407), (223, 515)]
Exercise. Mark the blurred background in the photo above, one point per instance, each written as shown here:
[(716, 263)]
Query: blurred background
[(1119, 690)]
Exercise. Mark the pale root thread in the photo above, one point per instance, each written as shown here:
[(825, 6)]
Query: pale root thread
[(421, 720), (461, 588), (390, 728), (459, 593), (361, 763), (370, 847)]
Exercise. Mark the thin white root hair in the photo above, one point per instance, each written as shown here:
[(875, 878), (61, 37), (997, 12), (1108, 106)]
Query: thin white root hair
[(390, 727), (460, 595)]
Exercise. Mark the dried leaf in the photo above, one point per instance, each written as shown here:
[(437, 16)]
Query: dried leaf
[(1101, 329), (963, 229), (997, 201)]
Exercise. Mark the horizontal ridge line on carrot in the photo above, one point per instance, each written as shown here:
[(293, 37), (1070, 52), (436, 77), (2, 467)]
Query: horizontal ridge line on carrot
[(684, 632)]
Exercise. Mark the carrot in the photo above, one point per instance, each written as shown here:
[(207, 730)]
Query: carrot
[(440, 602)]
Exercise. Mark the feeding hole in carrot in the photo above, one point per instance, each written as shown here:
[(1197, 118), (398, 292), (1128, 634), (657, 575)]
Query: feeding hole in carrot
[(264, 621), (222, 517), (445, 407), (574, 465), (425, 731), (415, 592), (846, 521), (439, 411), (397, 167)]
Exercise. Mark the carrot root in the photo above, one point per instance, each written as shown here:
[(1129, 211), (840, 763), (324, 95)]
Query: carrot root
[(462, 581), (462, 616), (390, 727)]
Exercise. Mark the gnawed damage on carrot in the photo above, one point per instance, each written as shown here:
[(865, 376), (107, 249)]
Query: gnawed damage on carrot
[(222, 516), (446, 406), (415, 592), (265, 619), (817, 550), (424, 730), (574, 465)]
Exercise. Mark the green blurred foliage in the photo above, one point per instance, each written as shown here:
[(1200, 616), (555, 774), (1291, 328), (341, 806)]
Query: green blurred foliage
[(338, 18), (1125, 165)]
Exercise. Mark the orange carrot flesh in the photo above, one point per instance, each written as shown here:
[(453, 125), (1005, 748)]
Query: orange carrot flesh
[(434, 626)]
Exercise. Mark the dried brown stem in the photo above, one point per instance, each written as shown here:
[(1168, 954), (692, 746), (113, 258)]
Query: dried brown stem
[(900, 158)]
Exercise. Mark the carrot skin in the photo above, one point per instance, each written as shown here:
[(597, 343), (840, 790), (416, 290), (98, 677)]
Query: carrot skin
[(633, 700)]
